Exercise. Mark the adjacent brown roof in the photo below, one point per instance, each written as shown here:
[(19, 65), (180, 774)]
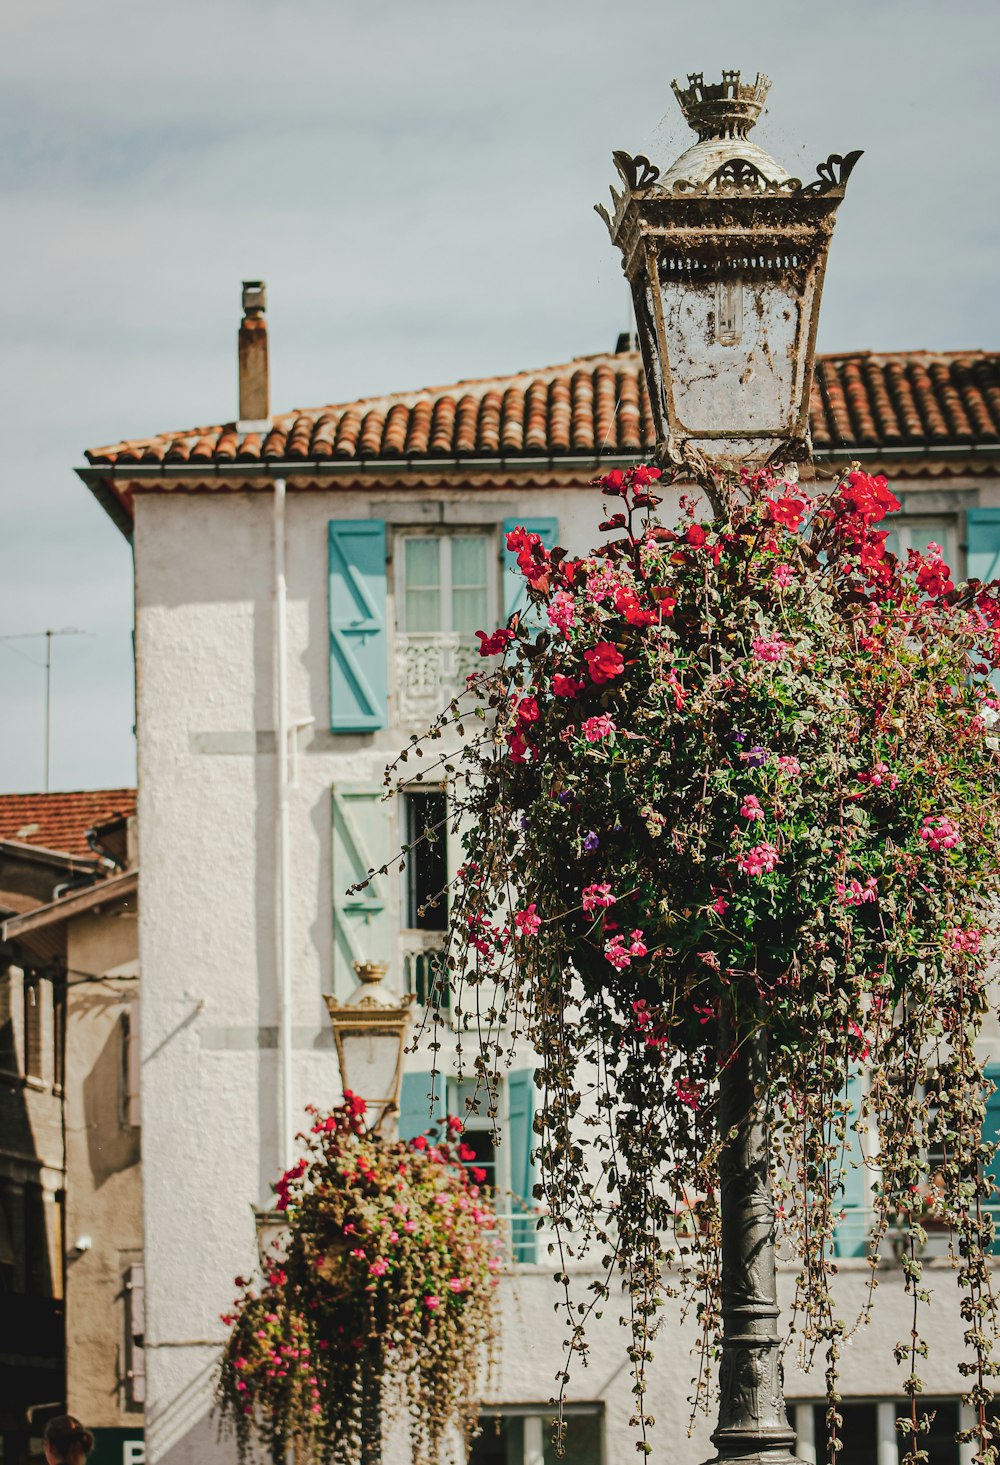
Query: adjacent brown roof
[(593, 408), (59, 821)]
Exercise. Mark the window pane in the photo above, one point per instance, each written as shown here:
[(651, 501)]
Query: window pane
[(500, 1442), (940, 1443), (478, 1124), (468, 580), (422, 576), (858, 1435), (582, 1440), (427, 864)]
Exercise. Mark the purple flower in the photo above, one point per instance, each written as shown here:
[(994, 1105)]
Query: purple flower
[(590, 842), (524, 821), (565, 796), (757, 757)]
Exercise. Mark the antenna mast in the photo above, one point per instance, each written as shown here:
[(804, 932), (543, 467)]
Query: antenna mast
[(34, 636)]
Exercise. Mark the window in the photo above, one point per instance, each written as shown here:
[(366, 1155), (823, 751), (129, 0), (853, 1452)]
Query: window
[(520, 1435), (135, 1330), (917, 531), (33, 1057), (8, 1036), (424, 897), (444, 584), (131, 1066), (866, 1423), (470, 1101)]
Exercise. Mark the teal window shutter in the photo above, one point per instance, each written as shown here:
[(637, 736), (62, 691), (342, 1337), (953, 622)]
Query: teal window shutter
[(360, 842), (515, 591), (520, 1096), (851, 1235), (982, 534), (358, 631), (991, 1134), (415, 1105)]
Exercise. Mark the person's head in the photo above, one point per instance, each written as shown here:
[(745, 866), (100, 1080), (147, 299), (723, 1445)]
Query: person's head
[(66, 1441)]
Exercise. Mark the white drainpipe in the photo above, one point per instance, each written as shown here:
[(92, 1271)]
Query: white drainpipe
[(282, 842)]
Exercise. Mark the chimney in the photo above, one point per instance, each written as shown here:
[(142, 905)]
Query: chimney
[(255, 404)]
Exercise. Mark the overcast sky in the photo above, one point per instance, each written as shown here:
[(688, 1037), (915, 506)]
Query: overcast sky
[(415, 182)]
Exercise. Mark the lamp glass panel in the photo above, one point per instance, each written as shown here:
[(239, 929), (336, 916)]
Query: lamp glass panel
[(371, 1062), (733, 347)]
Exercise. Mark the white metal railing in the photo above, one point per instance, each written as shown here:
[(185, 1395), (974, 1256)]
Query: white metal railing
[(421, 956), (431, 668)]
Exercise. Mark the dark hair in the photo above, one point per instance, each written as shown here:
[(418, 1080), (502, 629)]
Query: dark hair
[(67, 1438)]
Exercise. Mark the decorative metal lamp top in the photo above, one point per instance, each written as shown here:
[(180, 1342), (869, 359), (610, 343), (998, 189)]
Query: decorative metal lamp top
[(725, 254), (722, 109)]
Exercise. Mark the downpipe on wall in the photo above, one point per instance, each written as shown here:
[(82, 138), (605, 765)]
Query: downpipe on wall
[(283, 943)]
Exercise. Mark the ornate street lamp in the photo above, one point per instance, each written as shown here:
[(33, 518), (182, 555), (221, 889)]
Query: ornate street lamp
[(725, 254), (370, 1032)]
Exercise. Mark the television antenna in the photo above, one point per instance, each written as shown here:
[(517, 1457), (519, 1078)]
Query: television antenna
[(36, 636)]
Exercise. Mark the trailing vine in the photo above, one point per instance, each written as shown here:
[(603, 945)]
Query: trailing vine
[(383, 1299), (746, 762)]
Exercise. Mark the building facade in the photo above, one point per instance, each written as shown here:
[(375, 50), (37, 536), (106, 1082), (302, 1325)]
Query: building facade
[(70, 1189), (307, 592)]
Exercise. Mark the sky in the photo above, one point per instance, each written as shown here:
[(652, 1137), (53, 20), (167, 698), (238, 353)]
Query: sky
[(415, 183)]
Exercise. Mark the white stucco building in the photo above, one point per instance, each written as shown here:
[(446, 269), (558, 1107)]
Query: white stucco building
[(307, 588)]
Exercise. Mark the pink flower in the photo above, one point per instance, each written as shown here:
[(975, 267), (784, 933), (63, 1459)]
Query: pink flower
[(750, 808), (790, 767), (458, 1284), (562, 611), (358, 1253), (596, 728), (769, 648), (783, 575), (379, 1267), (879, 775), (410, 1226), (599, 585), (689, 1093), (616, 954), (965, 940), (720, 906), (636, 944), (526, 921), (597, 897), (431, 1302), (760, 860), (604, 662), (854, 893), (940, 832)]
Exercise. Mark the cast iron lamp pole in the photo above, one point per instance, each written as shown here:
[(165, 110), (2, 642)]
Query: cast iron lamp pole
[(725, 254), (369, 1030)]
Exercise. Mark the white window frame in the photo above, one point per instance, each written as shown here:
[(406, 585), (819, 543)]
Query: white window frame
[(534, 1417), (483, 1123), (446, 538), (941, 529)]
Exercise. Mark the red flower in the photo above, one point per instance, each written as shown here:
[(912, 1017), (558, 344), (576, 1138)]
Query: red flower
[(566, 686), (493, 645), (643, 475), (935, 578), (420, 1142), (527, 709), (518, 746), (869, 496), (627, 604), (695, 536), (478, 1175), (604, 662), (612, 482), (787, 511)]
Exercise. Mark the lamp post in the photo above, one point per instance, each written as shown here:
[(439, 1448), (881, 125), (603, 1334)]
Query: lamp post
[(725, 254), (369, 1030)]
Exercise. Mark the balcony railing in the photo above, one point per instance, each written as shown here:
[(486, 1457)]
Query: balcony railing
[(431, 669), (421, 960)]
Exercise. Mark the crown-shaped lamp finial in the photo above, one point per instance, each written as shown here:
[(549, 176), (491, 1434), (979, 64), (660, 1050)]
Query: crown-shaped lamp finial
[(728, 108)]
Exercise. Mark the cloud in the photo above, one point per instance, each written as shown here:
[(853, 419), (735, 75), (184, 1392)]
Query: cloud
[(415, 183)]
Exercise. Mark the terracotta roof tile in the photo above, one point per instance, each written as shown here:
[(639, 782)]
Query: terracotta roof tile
[(594, 406), (60, 821)]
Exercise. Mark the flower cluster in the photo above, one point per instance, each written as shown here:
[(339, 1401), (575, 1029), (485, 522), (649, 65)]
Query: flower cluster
[(733, 776), (386, 1281)]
